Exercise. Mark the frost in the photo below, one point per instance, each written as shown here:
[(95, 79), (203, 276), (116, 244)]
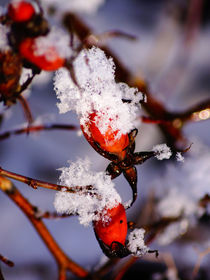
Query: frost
[(127, 204), (163, 151), (98, 92), (57, 40), (87, 204), (179, 157), (136, 243), (4, 45), (81, 6)]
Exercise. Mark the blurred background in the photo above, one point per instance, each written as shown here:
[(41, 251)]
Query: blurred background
[(171, 54)]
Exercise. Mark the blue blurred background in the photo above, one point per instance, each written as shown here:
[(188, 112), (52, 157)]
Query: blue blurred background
[(178, 74)]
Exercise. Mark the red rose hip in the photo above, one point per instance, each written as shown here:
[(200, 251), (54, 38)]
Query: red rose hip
[(114, 229), (49, 61), (107, 141), (21, 11)]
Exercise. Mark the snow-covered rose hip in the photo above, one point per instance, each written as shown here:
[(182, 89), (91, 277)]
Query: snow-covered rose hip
[(111, 231), (21, 11), (109, 139), (48, 60)]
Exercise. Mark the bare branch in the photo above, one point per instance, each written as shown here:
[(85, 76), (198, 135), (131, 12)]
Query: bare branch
[(37, 183), (36, 128), (64, 263), (6, 261)]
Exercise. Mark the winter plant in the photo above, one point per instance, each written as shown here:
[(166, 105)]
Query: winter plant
[(111, 105)]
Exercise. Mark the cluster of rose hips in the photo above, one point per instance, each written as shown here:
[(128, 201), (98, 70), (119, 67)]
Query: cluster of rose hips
[(27, 26), (26, 23), (111, 234)]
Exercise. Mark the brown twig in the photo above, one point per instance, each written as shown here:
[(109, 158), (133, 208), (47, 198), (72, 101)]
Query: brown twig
[(6, 261), (64, 263), (26, 109), (37, 183), (36, 128), (49, 215), (125, 267), (1, 275), (198, 263)]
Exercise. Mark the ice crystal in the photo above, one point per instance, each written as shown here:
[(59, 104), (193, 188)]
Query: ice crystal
[(136, 242), (179, 157), (4, 45), (163, 151), (88, 204)]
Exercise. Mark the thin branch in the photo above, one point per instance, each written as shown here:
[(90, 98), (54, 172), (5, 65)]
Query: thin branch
[(6, 261), (37, 183), (198, 112), (49, 215), (105, 268), (125, 267), (36, 128), (64, 263), (198, 263), (26, 109), (1, 275)]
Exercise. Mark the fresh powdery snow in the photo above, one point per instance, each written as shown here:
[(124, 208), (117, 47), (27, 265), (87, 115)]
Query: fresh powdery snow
[(58, 40), (78, 6), (163, 151), (4, 45), (97, 92), (136, 243), (179, 157), (88, 204)]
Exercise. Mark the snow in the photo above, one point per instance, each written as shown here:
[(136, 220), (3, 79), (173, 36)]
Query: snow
[(179, 157), (97, 92), (163, 151), (88, 204), (4, 45), (136, 242), (56, 42), (78, 6)]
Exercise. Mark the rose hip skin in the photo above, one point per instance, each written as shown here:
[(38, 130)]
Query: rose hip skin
[(113, 230), (21, 11), (108, 141), (27, 49)]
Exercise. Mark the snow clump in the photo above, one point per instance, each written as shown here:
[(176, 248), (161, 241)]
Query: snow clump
[(78, 6), (87, 203), (97, 93), (136, 243), (163, 151), (4, 44)]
